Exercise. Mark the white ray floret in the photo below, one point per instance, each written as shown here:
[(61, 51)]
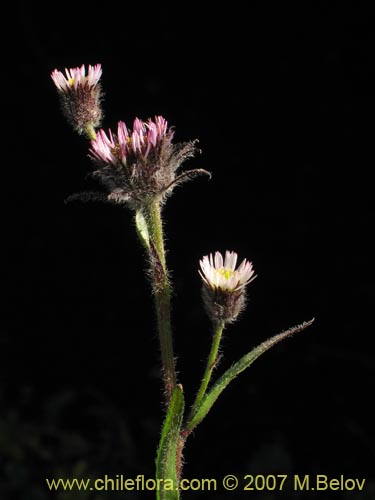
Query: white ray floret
[(219, 273)]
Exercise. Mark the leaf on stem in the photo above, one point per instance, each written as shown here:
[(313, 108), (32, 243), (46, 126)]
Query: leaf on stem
[(142, 229), (166, 461), (241, 365)]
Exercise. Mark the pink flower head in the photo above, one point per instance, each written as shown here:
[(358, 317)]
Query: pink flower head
[(76, 77), (224, 285), (130, 146), (140, 165), (80, 96)]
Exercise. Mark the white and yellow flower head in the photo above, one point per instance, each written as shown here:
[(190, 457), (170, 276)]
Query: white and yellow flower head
[(222, 273), (224, 285)]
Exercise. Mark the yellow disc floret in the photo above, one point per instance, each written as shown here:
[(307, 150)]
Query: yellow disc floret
[(225, 272)]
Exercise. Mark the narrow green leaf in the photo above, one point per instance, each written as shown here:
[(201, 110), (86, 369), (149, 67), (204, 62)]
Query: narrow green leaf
[(166, 461), (241, 365), (142, 230)]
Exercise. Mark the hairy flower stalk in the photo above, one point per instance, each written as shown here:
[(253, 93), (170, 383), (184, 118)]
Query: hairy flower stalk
[(223, 295), (80, 97), (162, 294), (138, 168)]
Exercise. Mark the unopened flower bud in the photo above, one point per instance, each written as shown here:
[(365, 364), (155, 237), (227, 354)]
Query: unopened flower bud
[(223, 288), (80, 97)]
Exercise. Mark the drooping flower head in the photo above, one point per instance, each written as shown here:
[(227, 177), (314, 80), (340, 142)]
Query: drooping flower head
[(224, 286), (138, 166), (80, 96)]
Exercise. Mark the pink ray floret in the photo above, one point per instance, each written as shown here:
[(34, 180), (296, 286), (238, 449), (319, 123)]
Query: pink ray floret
[(76, 77), (219, 273), (144, 137), (103, 147)]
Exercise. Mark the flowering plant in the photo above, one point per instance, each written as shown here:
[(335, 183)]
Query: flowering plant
[(138, 168)]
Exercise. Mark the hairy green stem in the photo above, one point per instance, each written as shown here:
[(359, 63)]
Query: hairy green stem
[(90, 131), (162, 293), (211, 363), (156, 224)]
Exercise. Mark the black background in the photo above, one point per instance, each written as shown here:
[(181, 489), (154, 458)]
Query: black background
[(281, 98)]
